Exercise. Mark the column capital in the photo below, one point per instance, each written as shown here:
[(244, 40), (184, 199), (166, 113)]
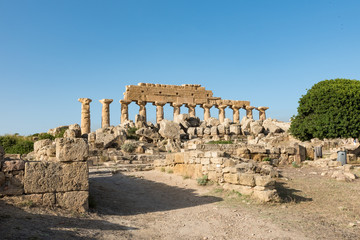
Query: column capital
[(249, 108), (106, 101), (235, 107), (176, 104), (141, 103), (222, 107), (123, 101), (192, 105), (85, 100), (262, 109), (206, 105), (161, 104)]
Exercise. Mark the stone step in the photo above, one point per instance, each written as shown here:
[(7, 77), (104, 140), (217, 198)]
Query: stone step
[(120, 168)]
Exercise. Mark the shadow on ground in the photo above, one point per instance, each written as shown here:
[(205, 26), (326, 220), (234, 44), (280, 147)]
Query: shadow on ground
[(289, 194), (125, 195), (16, 223)]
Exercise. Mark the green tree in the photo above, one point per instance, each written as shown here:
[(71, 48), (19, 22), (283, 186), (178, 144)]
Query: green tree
[(330, 109)]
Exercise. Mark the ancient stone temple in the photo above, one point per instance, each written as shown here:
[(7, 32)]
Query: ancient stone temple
[(188, 95)]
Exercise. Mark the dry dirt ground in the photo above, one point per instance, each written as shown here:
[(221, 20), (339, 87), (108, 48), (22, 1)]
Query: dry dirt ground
[(158, 205)]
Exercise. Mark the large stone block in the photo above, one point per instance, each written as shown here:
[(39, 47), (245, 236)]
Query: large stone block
[(266, 196), (264, 181), (247, 179), (76, 201), (41, 143), (232, 178), (13, 165), (12, 184), (71, 149), (44, 177)]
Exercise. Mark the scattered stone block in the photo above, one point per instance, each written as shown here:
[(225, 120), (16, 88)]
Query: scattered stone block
[(71, 149), (76, 200), (247, 179)]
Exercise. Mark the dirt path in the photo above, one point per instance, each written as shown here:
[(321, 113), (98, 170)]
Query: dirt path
[(156, 205)]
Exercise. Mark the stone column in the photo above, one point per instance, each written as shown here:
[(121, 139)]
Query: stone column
[(249, 113), (191, 107), (85, 115), (124, 110), (236, 113), (262, 115), (159, 111), (206, 108), (105, 114), (221, 112), (176, 107), (142, 110)]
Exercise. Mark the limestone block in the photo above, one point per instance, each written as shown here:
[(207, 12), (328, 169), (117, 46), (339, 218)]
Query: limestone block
[(245, 190), (43, 177), (200, 131), (169, 130), (179, 157), (76, 200), (170, 159), (242, 150), (191, 131), (266, 196), (212, 122), (245, 167), (221, 129), (207, 131), (217, 160), (232, 178), (71, 149), (13, 165), (289, 150), (235, 129), (257, 149), (334, 164), (247, 179), (217, 154), (229, 163), (214, 131), (12, 184), (271, 127), (57, 130), (264, 181), (205, 161), (41, 143), (46, 199), (256, 128)]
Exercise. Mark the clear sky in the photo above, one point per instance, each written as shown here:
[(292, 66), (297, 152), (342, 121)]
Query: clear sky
[(266, 52)]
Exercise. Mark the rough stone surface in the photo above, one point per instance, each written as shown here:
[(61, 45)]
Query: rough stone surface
[(13, 184), (71, 149), (266, 196), (247, 179), (13, 165), (169, 130), (77, 200), (256, 128), (43, 177)]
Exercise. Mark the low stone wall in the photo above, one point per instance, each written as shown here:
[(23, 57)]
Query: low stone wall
[(246, 177), (62, 182)]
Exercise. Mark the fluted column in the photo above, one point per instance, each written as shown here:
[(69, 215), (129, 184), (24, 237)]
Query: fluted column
[(206, 108), (262, 115), (191, 107), (124, 110), (142, 110), (159, 111), (85, 115), (249, 113), (105, 113), (236, 113), (176, 107), (221, 112)]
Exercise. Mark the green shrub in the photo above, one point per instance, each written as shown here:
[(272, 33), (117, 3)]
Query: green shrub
[(220, 142), (267, 159), (42, 136), (15, 144), (330, 109), (128, 147), (203, 180), (61, 133), (131, 133)]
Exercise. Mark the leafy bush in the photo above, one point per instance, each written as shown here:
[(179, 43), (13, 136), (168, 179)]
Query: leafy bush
[(128, 147), (220, 142), (61, 133), (131, 133), (42, 136), (203, 180), (267, 159), (330, 109), (14, 144)]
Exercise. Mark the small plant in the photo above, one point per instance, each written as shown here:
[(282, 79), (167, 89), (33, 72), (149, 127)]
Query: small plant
[(203, 180), (186, 177), (131, 133), (42, 136), (162, 169), (267, 159), (295, 165), (220, 142), (128, 147), (170, 171), (28, 204), (61, 133)]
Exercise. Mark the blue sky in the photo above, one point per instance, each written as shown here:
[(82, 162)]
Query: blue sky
[(266, 52)]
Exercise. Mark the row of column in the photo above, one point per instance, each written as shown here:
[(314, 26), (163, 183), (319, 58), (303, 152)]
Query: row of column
[(191, 107), (105, 115)]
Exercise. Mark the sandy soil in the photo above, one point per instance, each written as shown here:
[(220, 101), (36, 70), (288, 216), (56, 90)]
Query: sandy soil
[(157, 205)]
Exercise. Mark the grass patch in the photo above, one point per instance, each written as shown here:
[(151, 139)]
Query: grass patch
[(170, 171), (220, 142), (162, 169), (28, 204), (131, 133), (267, 159), (203, 180), (295, 165), (128, 147)]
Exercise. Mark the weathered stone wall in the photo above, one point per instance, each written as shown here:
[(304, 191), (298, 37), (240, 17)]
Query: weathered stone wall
[(247, 178), (62, 181)]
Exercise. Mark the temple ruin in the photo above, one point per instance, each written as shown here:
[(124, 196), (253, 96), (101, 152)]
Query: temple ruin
[(189, 95)]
